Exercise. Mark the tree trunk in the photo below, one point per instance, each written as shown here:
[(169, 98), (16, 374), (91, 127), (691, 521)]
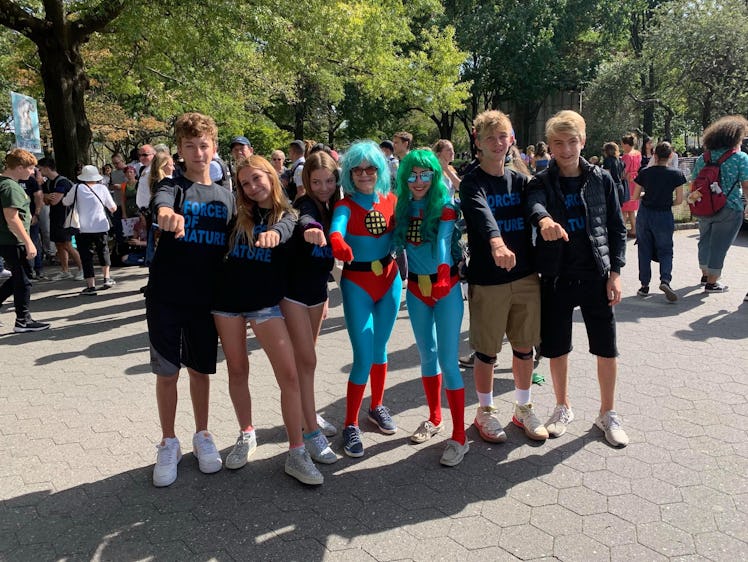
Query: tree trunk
[(445, 122), (65, 83), (649, 109)]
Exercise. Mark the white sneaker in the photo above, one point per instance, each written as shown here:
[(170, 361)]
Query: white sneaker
[(167, 458), (328, 430), (488, 425), (206, 452), (561, 417), (299, 465), (109, 283), (611, 425), (319, 449), (454, 453), (79, 276), (524, 417), (246, 445), (62, 276)]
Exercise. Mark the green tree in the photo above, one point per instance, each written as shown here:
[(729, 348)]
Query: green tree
[(699, 50), (59, 29)]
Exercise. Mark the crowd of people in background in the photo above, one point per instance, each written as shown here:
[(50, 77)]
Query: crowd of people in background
[(259, 239)]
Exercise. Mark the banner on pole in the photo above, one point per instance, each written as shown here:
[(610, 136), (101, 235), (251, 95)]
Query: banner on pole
[(26, 123)]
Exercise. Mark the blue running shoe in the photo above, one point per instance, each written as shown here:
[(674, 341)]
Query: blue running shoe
[(352, 444), (381, 417)]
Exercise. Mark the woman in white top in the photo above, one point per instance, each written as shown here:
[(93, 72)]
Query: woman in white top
[(445, 152), (91, 200)]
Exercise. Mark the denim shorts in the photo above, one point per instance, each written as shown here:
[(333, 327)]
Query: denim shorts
[(258, 316)]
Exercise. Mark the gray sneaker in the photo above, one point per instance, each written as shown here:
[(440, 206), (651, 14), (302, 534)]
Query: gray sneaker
[(561, 417), (454, 453), (426, 431), (246, 445), (319, 449), (611, 425), (328, 430), (299, 465)]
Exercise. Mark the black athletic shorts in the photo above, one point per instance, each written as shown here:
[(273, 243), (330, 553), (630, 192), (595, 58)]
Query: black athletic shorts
[(558, 298), (60, 234), (181, 335)]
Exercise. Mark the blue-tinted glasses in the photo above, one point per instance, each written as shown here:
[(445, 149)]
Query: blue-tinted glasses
[(425, 177)]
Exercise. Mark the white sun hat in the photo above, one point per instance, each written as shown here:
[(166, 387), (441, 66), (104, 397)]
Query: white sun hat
[(90, 173)]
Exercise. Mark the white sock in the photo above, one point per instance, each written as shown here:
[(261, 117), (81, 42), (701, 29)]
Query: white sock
[(522, 397), (485, 399)]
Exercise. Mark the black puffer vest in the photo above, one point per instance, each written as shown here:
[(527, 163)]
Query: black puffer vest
[(605, 226)]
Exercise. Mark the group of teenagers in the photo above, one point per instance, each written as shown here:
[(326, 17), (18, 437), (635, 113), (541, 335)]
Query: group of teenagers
[(537, 249)]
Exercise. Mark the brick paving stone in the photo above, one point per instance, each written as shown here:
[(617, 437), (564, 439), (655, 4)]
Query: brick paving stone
[(526, 542), (579, 548), (609, 529), (556, 520), (665, 539)]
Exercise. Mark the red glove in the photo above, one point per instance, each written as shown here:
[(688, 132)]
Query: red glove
[(340, 248), (443, 283)]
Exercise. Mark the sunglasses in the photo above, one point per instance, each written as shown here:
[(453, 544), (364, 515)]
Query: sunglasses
[(369, 171), (144, 154), (425, 177)]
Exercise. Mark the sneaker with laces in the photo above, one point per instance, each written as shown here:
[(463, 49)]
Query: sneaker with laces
[(454, 453), (467, 361), (62, 276), (715, 288), (319, 449), (89, 292), (703, 280), (167, 458), (488, 425), (524, 417), (643, 291), (299, 465), (560, 418), (327, 429), (669, 293), (206, 452), (108, 283), (79, 276), (352, 445), (426, 431), (380, 416), (245, 446), (611, 425), (5, 274), (29, 325)]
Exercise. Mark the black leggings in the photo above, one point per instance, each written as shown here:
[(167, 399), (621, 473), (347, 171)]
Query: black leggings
[(87, 244)]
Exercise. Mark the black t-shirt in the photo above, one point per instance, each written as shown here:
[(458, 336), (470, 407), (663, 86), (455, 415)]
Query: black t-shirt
[(254, 278), (311, 266), (184, 269), (495, 206), (31, 186), (578, 261), (658, 183), (57, 212)]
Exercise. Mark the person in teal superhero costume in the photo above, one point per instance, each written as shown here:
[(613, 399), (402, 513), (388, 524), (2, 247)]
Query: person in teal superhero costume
[(424, 225), (361, 236)]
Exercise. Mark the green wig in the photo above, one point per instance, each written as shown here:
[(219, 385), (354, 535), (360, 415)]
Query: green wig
[(436, 197)]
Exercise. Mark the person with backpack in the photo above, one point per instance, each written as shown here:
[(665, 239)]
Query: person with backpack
[(654, 222), (295, 186), (720, 223)]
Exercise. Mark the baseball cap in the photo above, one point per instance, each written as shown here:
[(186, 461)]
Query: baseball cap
[(240, 140)]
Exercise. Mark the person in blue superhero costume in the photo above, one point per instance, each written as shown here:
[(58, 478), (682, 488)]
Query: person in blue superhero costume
[(361, 236), (425, 225)]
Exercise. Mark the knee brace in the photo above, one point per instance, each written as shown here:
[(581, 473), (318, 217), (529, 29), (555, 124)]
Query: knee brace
[(524, 356), (490, 359)]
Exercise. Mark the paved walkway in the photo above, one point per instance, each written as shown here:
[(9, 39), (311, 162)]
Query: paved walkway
[(78, 426)]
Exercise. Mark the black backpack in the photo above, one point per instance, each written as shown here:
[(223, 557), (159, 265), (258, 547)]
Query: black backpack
[(617, 169), (292, 188)]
